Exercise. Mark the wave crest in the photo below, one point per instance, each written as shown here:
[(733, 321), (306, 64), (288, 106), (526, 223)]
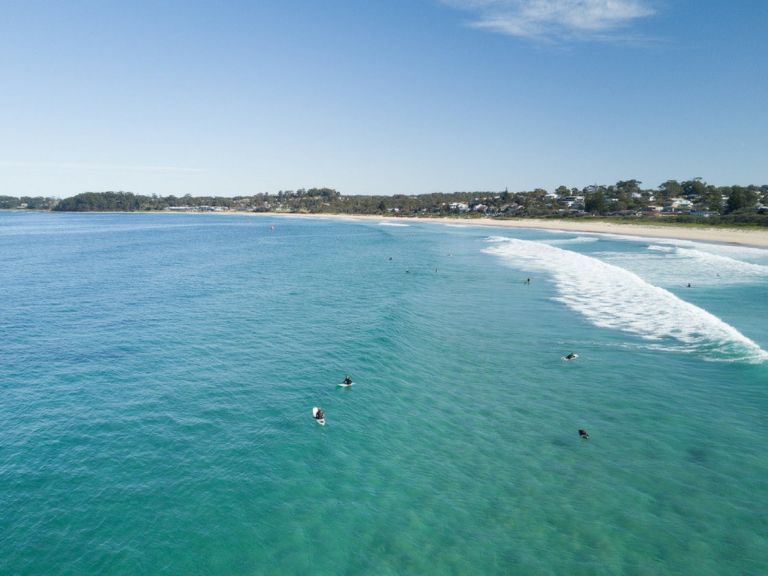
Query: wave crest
[(612, 297)]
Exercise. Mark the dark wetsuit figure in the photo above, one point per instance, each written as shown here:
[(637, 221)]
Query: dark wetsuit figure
[(583, 433)]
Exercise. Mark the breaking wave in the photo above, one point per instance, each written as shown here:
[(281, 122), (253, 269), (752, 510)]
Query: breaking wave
[(576, 240), (612, 297), (680, 264), (718, 262), (747, 253)]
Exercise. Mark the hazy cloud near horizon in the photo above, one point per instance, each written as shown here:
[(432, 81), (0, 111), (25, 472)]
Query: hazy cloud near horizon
[(554, 19)]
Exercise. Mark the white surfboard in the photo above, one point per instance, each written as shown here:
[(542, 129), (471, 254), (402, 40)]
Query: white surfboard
[(343, 385), (569, 359), (321, 421)]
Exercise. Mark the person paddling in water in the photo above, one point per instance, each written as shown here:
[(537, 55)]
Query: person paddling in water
[(571, 356), (347, 380), (320, 414), (583, 434)]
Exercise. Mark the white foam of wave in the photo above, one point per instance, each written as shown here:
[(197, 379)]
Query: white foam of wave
[(615, 298), (737, 252), (670, 265), (720, 263), (576, 240), (395, 224)]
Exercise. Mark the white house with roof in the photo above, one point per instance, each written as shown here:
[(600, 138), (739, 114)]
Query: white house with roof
[(680, 203)]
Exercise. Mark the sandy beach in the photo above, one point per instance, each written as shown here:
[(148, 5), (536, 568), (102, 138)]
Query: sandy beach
[(740, 236)]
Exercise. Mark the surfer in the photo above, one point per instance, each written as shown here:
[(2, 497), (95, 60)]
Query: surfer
[(583, 434), (319, 415), (347, 380), (570, 356), (527, 280)]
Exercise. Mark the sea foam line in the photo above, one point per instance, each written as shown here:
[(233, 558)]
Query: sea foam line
[(672, 265), (720, 262), (612, 297), (576, 240), (745, 253)]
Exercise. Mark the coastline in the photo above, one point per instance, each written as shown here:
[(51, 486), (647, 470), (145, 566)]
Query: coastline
[(757, 238), (738, 236)]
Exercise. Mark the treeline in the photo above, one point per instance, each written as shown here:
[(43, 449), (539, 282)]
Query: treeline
[(129, 202), (690, 200), (27, 203)]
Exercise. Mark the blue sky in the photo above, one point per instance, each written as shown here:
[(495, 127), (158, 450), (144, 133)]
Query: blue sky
[(379, 96)]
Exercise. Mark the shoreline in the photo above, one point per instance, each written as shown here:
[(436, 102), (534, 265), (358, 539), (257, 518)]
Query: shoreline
[(756, 238), (742, 237)]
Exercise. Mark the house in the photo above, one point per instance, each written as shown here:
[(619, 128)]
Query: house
[(569, 201), (680, 203)]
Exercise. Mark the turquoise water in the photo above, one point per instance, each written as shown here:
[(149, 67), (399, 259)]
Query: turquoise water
[(157, 374)]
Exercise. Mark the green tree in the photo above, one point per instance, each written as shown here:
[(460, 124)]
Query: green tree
[(594, 203), (628, 186), (9, 202), (693, 188), (713, 199), (669, 189), (740, 198)]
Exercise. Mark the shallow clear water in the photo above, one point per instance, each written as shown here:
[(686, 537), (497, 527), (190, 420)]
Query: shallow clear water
[(157, 374)]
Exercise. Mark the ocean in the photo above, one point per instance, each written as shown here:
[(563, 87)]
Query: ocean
[(158, 371)]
